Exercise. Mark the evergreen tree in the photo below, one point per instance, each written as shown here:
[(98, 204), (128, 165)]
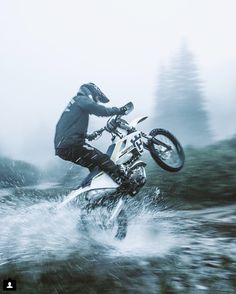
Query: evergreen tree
[(180, 101)]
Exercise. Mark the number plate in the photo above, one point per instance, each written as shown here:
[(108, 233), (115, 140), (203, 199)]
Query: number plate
[(137, 142)]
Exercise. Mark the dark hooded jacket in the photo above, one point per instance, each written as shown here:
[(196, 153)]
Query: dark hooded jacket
[(72, 126)]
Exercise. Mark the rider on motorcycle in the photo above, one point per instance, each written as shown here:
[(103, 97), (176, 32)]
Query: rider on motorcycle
[(71, 133)]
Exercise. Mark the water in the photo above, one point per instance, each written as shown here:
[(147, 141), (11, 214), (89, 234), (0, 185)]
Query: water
[(168, 249)]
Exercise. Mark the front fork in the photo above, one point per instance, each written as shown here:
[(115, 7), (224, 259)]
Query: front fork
[(121, 203)]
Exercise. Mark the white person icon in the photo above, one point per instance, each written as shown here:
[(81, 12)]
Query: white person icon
[(9, 286)]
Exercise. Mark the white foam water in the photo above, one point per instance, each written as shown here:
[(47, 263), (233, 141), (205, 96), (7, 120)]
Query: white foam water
[(36, 232)]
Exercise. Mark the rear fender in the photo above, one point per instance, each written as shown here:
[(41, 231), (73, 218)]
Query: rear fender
[(100, 182)]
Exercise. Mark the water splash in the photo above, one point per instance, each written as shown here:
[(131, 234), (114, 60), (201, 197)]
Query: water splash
[(148, 235), (30, 231), (175, 250)]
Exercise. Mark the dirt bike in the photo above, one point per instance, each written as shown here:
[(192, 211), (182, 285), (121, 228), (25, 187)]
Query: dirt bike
[(99, 197)]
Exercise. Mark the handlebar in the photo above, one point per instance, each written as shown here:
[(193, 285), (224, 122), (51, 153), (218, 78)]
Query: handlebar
[(100, 131)]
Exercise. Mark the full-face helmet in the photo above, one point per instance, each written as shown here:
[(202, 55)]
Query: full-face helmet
[(93, 92)]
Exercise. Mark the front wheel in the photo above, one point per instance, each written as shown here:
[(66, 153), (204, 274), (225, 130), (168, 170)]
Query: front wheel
[(166, 150)]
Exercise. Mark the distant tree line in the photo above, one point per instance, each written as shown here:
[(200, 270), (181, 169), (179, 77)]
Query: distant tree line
[(16, 173), (209, 173)]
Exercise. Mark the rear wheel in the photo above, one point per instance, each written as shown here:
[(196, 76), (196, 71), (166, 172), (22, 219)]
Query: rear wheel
[(166, 150), (98, 219)]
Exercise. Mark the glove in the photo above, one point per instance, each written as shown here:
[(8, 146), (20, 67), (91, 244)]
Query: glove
[(123, 110), (92, 136)]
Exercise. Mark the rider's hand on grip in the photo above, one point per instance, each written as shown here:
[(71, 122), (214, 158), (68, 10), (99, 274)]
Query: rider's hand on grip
[(123, 110), (92, 136)]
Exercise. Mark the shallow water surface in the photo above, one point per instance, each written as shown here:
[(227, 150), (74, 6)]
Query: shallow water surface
[(167, 249)]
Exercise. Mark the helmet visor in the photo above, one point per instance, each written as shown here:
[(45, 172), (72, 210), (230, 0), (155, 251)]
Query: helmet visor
[(96, 93), (102, 98)]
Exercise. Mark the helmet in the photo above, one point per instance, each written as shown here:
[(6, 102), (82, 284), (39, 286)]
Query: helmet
[(93, 92)]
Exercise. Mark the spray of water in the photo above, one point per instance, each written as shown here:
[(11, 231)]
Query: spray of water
[(32, 231)]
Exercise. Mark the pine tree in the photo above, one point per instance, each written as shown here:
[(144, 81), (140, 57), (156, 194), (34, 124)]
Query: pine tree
[(180, 101)]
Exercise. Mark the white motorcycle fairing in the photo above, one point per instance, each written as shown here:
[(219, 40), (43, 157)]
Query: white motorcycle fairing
[(98, 180)]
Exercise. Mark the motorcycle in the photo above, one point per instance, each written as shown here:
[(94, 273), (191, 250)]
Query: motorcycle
[(101, 201)]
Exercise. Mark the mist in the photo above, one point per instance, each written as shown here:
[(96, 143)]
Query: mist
[(48, 49)]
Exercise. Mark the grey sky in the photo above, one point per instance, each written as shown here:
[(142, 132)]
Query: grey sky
[(49, 47)]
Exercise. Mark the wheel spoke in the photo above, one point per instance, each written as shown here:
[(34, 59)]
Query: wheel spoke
[(170, 157)]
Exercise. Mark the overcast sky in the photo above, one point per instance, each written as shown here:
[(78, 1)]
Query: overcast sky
[(49, 47)]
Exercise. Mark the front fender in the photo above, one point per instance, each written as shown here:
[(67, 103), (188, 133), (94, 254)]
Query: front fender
[(137, 120)]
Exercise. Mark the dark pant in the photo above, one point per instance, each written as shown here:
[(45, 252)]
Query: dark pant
[(85, 155)]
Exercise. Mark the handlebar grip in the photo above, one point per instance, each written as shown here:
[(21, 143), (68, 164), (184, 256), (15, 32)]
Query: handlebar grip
[(100, 131)]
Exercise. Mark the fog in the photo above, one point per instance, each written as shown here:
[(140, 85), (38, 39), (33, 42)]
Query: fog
[(49, 48)]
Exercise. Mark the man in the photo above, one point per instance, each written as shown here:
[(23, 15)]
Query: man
[(71, 132)]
